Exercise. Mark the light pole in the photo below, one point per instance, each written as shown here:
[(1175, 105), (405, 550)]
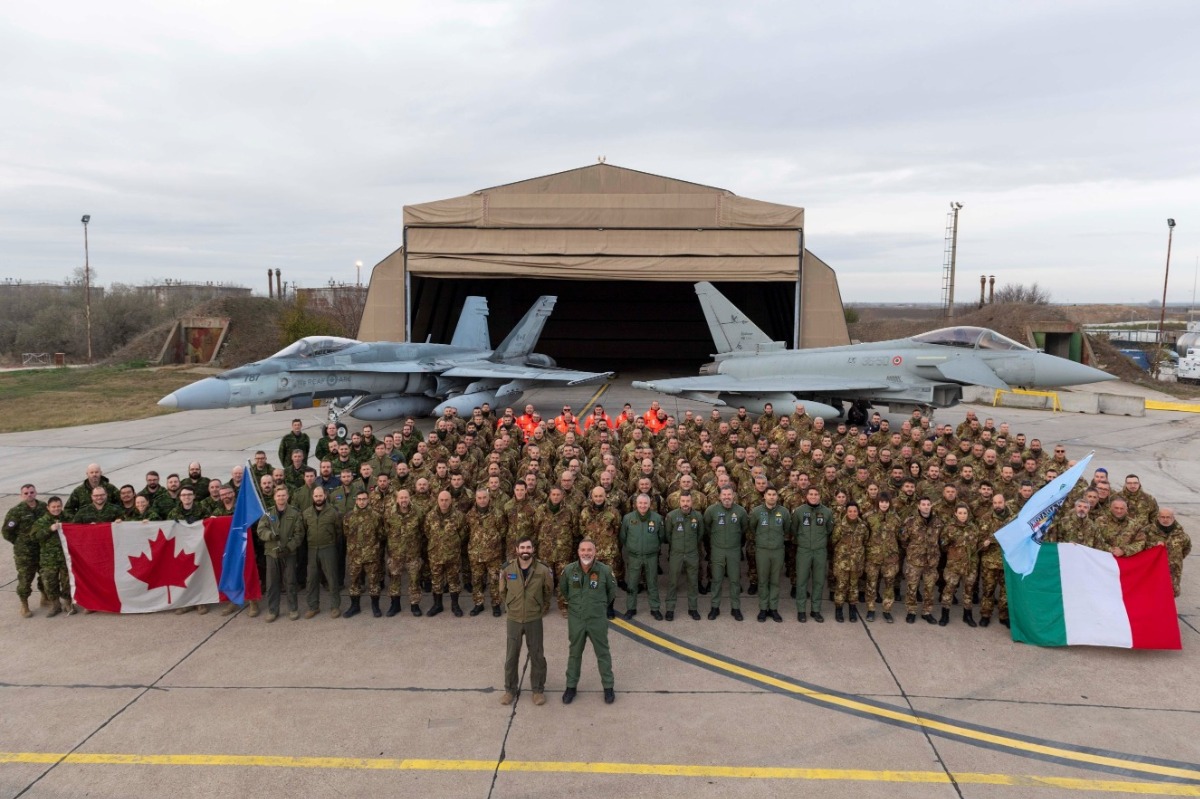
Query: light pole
[(1162, 314), (87, 287), (358, 273)]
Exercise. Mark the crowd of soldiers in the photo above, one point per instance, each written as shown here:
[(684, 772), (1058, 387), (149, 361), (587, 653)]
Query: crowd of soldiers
[(695, 499)]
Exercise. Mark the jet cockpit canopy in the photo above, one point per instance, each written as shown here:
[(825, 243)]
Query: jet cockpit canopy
[(969, 338), (312, 346)]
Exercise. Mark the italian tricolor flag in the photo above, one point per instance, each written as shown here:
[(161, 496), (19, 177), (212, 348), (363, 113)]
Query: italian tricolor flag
[(1079, 595)]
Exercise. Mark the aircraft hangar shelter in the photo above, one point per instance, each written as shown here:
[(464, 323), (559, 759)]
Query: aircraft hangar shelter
[(621, 249)]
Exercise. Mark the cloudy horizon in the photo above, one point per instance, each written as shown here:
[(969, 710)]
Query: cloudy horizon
[(214, 141)]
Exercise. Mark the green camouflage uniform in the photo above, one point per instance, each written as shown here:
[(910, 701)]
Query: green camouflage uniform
[(293, 441), (603, 526), (445, 533), (556, 534), (364, 533), (90, 514), (519, 523), (922, 550), (1179, 546), (1070, 529), (18, 531), (1127, 534), (991, 565), (485, 551), (959, 542), (52, 563), (849, 558), (82, 495), (882, 558), (402, 530)]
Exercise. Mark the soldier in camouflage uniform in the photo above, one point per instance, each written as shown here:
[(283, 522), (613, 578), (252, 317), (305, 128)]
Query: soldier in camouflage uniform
[(556, 528), (1122, 535), (402, 531), (363, 530), (601, 522), (445, 530), (99, 510), (920, 534), (519, 513), (82, 494), (485, 550), (991, 562), (296, 440), (959, 543), (1076, 527), (850, 534), (1167, 531), (52, 563), (882, 557), (18, 530)]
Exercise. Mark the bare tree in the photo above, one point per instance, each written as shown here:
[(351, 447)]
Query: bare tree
[(1031, 294)]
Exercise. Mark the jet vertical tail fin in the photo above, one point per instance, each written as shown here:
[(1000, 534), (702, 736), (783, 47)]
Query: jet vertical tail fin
[(472, 330), (524, 337), (732, 330)]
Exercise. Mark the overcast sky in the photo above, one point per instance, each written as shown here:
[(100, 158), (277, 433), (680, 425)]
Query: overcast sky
[(212, 140)]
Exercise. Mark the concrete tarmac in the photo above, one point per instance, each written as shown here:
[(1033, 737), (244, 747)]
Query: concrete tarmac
[(158, 705)]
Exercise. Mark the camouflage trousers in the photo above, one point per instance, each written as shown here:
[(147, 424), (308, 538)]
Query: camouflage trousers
[(924, 577), (885, 572), (847, 572), (752, 562), (26, 556), (993, 579), (954, 575), (447, 572), (611, 556), (485, 572), (368, 568), (396, 566), (52, 565)]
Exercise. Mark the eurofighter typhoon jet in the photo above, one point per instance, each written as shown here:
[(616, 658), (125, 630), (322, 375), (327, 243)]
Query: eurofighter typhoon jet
[(928, 370), (380, 380)]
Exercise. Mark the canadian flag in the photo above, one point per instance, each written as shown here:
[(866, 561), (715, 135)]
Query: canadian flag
[(143, 567)]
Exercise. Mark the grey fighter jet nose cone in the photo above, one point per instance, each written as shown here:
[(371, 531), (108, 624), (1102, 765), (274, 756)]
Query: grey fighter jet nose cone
[(1052, 371), (205, 394)]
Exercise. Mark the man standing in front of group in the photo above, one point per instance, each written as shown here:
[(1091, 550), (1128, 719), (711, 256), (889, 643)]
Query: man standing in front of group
[(812, 526), (525, 590), (587, 587), (725, 525), (641, 539)]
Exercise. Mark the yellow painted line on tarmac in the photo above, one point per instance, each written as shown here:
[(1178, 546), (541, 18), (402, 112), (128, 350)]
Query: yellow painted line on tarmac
[(1160, 405), (905, 717), (615, 769)]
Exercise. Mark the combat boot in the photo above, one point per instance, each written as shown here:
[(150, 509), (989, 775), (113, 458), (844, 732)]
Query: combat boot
[(853, 612), (25, 611), (45, 601), (55, 609), (969, 617), (838, 616), (355, 607), (67, 606), (984, 621), (477, 609), (375, 611), (414, 609), (945, 619), (393, 607), (253, 608), (437, 606), (454, 608), (496, 611)]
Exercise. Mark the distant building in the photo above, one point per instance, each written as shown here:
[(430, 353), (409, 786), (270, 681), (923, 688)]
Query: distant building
[(170, 291), (20, 287), (333, 296)]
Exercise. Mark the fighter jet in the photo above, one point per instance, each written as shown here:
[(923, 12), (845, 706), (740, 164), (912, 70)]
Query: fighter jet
[(927, 371), (377, 381)]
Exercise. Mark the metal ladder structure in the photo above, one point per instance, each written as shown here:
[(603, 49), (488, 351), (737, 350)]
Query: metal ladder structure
[(948, 260)]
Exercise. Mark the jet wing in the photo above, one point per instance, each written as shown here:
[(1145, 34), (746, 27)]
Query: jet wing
[(483, 370), (971, 371), (798, 384)]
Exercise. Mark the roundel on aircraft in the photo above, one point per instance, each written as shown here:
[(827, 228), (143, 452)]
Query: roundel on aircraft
[(897, 360)]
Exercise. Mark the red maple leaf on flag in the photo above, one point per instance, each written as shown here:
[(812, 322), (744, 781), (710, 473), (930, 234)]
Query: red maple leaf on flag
[(164, 567)]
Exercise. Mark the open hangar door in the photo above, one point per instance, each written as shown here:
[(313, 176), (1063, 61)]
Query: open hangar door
[(603, 325)]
